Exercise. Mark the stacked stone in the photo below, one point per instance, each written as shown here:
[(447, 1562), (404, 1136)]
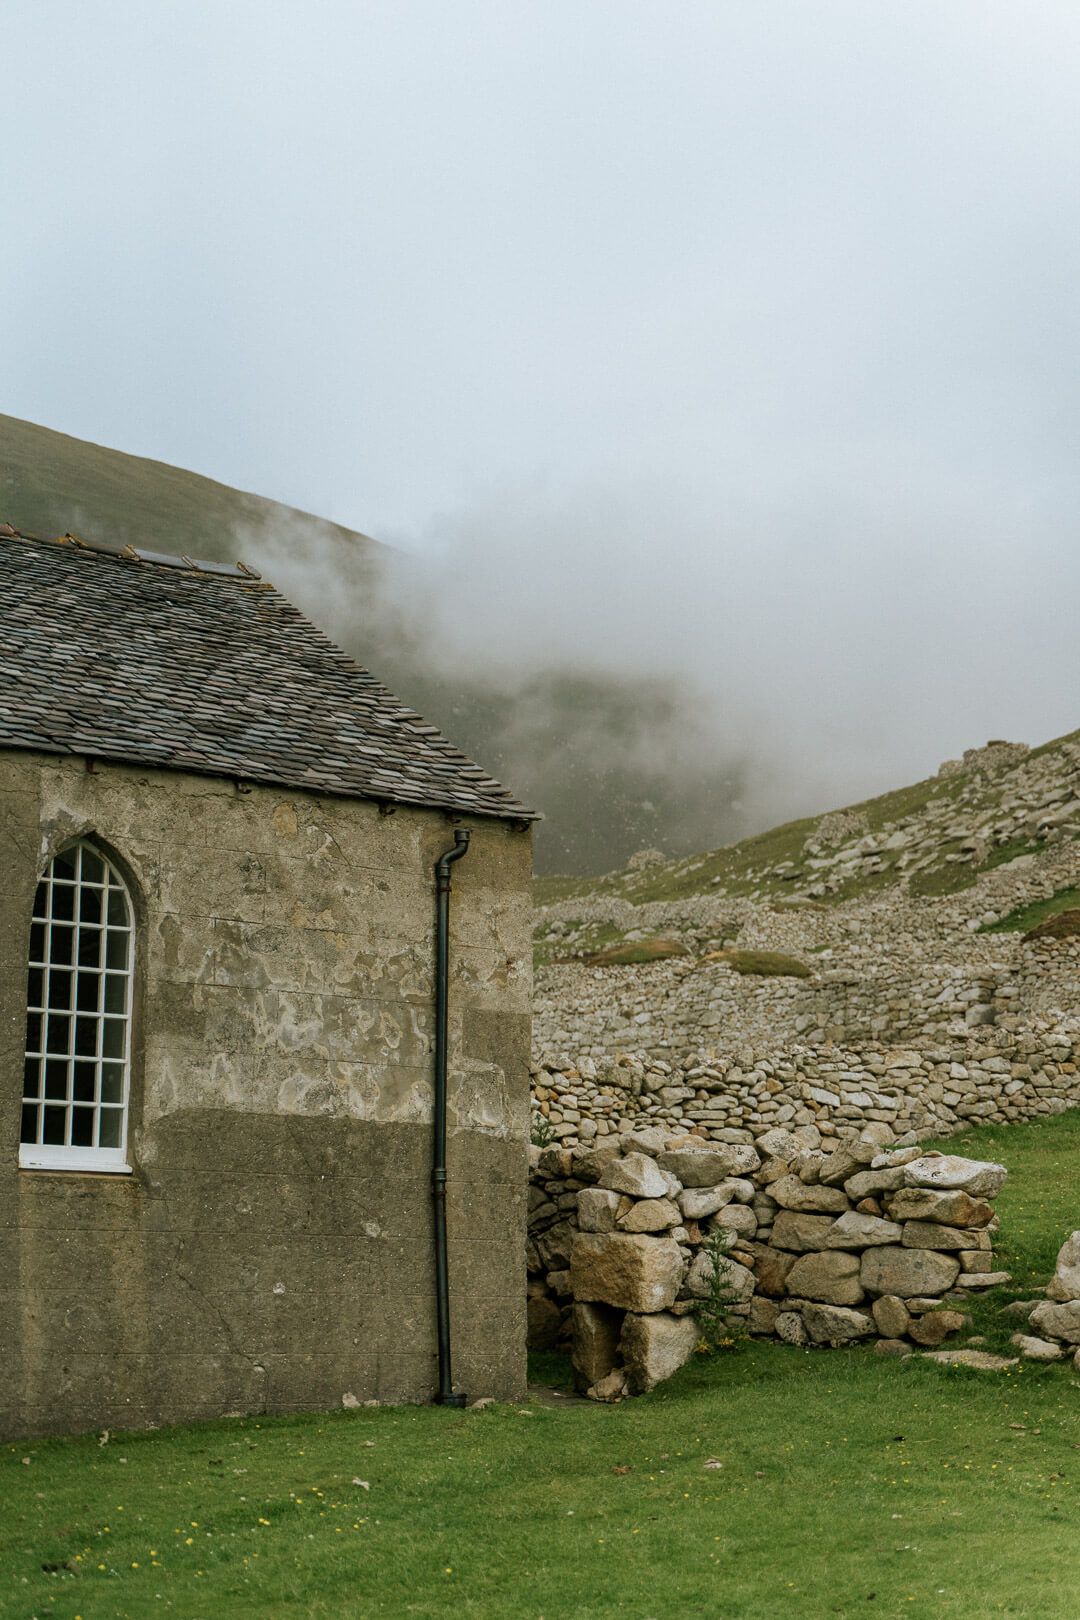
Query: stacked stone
[(822, 1247), (870, 1244), (1055, 1319)]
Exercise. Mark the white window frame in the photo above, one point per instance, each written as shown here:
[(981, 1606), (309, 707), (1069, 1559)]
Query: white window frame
[(83, 965)]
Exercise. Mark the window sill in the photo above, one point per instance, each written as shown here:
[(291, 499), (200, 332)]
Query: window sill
[(89, 1160)]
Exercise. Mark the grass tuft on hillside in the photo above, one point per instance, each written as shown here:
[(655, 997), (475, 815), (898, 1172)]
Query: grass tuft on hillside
[(762, 964)]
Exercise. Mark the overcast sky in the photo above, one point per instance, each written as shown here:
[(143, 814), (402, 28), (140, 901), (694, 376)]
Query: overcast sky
[(740, 337)]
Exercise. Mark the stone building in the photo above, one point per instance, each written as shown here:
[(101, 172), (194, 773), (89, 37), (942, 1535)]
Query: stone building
[(217, 983)]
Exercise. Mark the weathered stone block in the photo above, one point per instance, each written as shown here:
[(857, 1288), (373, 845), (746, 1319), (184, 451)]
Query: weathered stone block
[(697, 1203), (1057, 1321), (944, 1208), (1033, 1349), (653, 1347), (801, 1233), (650, 1215), (595, 1344), (1065, 1283), (867, 1182), (628, 1270), (929, 1235), (892, 1316), (858, 1231), (736, 1218), (835, 1324), (597, 1209), (637, 1175), (707, 1167), (763, 1314), (947, 1171), (791, 1193), (554, 1245), (738, 1279), (935, 1327), (771, 1270), (589, 1164), (832, 1278), (907, 1272), (789, 1328)]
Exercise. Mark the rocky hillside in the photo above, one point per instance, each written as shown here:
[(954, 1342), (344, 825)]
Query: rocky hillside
[(875, 963)]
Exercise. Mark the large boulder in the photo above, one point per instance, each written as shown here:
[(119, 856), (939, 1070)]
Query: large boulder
[(909, 1273), (944, 1208), (1065, 1283), (636, 1175), (653, 1347), (831, 1278), (835, 1324), (595, 1351), (857, 1231), (791, 1193), (1057, 1321), (801, 1233), (707, 1167), (947, 1172), (629, 1270)]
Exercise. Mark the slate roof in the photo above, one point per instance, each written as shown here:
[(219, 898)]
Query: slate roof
[(125, 654)]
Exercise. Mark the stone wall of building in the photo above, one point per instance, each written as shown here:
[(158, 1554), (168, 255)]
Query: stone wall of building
[(272, 1248)]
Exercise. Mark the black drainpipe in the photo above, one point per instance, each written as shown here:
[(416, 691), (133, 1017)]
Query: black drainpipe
[(445, 1396)]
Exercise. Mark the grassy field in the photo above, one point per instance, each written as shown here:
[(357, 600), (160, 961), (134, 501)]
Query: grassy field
[(850, 1485)]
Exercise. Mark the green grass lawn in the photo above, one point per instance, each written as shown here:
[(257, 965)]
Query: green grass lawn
[(850, 1485)]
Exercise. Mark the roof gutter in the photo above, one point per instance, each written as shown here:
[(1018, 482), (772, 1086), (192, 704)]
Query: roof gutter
[(445, 1395)]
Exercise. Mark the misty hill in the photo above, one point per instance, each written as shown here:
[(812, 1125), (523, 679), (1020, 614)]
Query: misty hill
[(613, 763), (1003, 808), (52, 484), (909, 964)]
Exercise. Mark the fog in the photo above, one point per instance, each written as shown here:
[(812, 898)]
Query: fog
[(713, 368)]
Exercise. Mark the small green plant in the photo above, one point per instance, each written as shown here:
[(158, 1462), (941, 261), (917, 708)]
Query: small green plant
[(714, 1311), (541, 1131)]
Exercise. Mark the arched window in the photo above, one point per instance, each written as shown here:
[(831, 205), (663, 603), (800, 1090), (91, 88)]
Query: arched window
[(78, 1018)]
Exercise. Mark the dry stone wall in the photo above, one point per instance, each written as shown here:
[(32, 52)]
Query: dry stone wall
[(827, 1243), (922, 1045)]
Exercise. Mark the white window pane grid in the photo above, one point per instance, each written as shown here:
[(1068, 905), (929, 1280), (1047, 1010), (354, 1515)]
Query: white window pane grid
[(78, 1034)]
